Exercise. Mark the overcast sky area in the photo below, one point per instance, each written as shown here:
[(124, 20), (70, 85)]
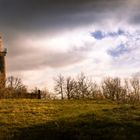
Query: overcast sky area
[(48, 37)]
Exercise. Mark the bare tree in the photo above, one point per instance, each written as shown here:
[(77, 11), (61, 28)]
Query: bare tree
[(135, 83), (59, 85), (112, 88), (46, 94), (94, 90), (16, 87), (70, 87), (82, 86), (14, 82)]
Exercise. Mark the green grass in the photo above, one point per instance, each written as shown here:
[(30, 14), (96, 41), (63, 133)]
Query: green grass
[(24, 119)]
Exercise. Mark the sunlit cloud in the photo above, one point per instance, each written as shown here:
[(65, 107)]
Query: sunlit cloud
[(99, 37)]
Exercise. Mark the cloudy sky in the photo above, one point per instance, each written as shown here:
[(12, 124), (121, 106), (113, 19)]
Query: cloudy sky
[(47, 37)]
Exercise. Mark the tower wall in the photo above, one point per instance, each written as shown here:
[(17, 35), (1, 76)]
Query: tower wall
[(2, 62)]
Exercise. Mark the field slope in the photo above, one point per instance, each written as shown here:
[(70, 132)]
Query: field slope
[(25, 119)]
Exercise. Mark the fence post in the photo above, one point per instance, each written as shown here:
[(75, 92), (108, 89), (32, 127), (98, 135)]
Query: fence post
[(39, 94)]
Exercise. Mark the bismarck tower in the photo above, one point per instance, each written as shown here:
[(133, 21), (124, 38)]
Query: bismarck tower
[(3, 52)]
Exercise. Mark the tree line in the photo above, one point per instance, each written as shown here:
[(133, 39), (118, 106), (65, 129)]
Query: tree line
[(79, 87), (82, 87)]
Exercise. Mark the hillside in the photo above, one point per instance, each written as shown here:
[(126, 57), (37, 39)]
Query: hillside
[(25, 119)]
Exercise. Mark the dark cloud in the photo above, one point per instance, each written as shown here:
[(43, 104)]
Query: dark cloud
[(30, 61), (33, 17), (39, 14), (135, 19), (52, 15)]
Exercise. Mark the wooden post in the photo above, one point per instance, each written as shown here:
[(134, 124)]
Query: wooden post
[(39, 94)]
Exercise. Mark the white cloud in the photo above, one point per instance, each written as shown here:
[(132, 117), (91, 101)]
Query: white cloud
[(73, 52)]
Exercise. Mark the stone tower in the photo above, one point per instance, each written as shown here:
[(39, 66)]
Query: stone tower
[(3, 52)]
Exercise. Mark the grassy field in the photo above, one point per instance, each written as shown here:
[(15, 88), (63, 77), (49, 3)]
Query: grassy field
[(24, 119)]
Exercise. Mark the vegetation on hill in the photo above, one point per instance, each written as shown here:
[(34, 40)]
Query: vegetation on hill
[(25, 119), (87, 111), (80, 87)]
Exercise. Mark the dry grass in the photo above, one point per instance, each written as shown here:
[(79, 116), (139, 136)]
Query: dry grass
[(24, 119)]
